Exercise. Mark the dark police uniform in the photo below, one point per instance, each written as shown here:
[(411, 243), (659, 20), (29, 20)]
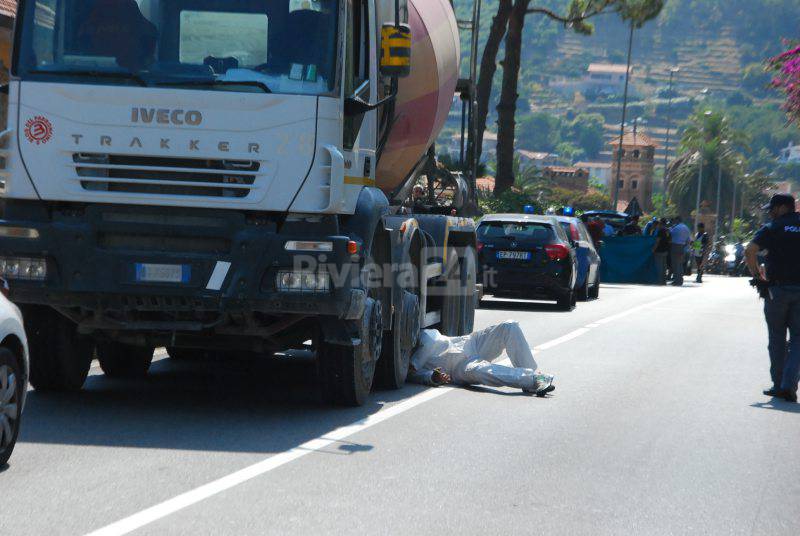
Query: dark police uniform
[(781, 240)]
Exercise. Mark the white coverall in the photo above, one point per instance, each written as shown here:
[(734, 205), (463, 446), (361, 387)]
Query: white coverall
[(468, 359)]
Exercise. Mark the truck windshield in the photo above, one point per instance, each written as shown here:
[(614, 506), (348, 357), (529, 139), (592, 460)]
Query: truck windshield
[(280, 46)]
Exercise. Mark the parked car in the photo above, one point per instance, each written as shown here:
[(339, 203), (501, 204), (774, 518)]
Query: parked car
[(588, 278), (527, 256), (13, 373), (617, 220)]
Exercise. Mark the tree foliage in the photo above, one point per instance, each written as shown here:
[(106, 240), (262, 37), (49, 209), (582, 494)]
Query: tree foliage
[(711, 140), (576, 16), (787, 80)]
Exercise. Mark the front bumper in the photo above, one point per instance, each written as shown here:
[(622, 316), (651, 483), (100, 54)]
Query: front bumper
[(92, 253)]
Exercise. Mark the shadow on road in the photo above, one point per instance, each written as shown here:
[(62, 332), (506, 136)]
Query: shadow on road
[(778, 405), (237, 406)]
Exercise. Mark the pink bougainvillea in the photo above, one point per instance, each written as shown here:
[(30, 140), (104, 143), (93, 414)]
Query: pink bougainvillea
[(787, 79)]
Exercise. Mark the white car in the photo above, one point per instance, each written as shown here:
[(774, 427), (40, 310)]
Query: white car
[(13, 373)]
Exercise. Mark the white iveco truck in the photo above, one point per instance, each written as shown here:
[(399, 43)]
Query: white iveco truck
[(233, 175)]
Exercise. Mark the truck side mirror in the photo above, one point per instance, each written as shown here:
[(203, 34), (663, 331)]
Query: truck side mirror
[(355, 104), (396, 50)]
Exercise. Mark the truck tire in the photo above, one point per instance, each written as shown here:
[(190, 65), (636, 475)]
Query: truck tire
[(123, 360), (186, 354), (347, 372), (60, 358), (451, 323), (12, 383), (469, 299), (399, 343)]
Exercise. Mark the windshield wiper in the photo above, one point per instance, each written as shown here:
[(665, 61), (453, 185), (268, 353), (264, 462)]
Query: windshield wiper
[(212, 83), (123, 75)]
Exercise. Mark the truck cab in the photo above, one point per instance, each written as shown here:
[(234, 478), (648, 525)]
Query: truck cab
[(203, 174)]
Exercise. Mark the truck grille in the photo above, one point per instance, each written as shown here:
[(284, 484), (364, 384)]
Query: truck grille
[(166, 176)]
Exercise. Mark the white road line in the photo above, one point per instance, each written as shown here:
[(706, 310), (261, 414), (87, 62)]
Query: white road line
[(185, 500), (561, 340), (154, 513), (638, 308)]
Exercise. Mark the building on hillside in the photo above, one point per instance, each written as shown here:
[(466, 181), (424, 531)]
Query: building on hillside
[(599, 79), (636, 172), (568, 177), (600, 171), (536, 159), (605, 78), (790, 155)]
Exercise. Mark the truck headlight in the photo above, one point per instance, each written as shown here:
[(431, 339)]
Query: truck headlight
[(23, 268), (19, 232), (303, 282), (298, 245)]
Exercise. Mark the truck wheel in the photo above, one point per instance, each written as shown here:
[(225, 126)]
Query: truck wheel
[(399, 343), (12, 383), (186, 354), (348, 371), (451, 323), (60, 358), (469, 269), (123, 360)]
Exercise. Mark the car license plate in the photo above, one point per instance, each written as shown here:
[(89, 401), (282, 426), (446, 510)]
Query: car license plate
[(163, 273), (514, 255)]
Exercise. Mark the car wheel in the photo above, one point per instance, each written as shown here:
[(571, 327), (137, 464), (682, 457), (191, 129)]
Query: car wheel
[(583, 292), (594, 292), (567, 301), (123, 360), (12, 382)]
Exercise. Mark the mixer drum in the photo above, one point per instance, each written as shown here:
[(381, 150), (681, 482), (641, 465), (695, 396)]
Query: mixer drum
[(424, 98)]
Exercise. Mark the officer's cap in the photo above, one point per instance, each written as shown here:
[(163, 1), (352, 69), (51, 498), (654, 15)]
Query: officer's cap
[(780, 200)]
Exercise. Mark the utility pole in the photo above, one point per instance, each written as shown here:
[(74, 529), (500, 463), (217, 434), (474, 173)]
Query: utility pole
[(719, 190), (624, 117), (699, 190), (700, 172), (665, 182)]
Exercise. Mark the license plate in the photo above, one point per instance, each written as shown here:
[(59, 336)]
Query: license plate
[(163, 273), (514, 255)]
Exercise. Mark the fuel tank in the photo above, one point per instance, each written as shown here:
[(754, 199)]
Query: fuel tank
[(425, 97)]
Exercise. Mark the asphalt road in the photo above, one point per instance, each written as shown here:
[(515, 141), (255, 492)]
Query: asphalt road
[(658, 426)]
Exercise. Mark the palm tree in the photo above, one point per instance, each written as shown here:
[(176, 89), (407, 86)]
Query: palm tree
[(710, 140)]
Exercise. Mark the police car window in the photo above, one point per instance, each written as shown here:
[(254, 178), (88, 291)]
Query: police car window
[(535, 232)]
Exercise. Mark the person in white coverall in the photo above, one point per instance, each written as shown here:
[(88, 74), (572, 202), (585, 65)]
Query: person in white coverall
[(468, 360)]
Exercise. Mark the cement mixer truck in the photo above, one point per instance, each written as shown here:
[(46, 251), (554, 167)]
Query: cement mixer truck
[(233, 176)]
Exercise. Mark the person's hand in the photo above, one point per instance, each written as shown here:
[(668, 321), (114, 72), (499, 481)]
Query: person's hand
[(440, 378)]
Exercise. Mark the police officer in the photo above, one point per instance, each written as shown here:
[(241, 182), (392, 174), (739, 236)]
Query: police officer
[(780, 240)]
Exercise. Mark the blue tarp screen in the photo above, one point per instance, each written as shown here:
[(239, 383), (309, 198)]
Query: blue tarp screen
[(629, 259)]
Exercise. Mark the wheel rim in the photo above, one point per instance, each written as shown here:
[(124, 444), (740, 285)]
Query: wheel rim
[(9, 405)]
